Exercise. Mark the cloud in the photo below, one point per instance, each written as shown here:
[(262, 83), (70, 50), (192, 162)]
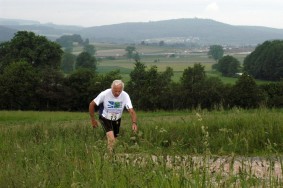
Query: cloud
[(212, 7)]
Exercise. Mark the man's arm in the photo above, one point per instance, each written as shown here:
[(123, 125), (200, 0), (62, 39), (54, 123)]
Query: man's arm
[(91, 114), (134, 119)]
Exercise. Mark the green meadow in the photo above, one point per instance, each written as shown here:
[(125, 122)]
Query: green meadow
[(188, 148), (195, 148), (112, 57)]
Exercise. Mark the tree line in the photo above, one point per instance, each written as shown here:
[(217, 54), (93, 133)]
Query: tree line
[(31, 78)]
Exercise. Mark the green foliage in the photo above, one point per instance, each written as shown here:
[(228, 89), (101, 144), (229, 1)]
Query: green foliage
[(245, 93), (103, 81), (149, 88), (274, 93), (90, 49), (52, 92), (211, 93), (17, 85), (216, 52), (199, 91), (79, 83), (68, 40), (132, 53), (136, 57), (28, 47), (138, 79), (86, 60), (161, 43), (193, 75), (266, 61), (68, 62), (228, 66), (191, 83)]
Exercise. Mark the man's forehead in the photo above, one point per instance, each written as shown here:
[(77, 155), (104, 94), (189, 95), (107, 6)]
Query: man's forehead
[(117, 86)]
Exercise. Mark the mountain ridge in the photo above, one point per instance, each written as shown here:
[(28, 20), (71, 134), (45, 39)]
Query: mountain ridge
[(203, 31)]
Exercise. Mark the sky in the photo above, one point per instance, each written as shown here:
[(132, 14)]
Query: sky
[(89, 13)]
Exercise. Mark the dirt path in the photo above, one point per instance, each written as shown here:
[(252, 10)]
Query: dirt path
[(262, 168), (259, 167)]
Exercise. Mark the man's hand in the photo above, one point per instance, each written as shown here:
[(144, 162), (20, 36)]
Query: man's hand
[(91, 113), (135, 127), (94, 123)]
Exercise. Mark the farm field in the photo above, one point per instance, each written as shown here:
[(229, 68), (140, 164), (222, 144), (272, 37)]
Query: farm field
[(112, 57), (197, 148)]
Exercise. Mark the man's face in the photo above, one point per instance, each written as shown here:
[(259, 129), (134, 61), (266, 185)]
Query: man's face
[(116, 90)]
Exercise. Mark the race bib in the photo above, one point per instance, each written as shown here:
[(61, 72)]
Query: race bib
[(113, 116), (114, 110)]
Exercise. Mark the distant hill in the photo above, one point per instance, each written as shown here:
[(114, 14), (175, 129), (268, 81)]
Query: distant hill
[(51, 31), (5, 21), (205, 31), (6, 33), (201, 31)]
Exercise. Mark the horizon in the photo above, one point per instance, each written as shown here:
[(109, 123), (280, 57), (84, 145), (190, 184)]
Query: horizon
[(46, 23), (90, 13)]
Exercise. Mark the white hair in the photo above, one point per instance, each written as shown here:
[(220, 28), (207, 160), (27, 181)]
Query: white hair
[(117, 82)]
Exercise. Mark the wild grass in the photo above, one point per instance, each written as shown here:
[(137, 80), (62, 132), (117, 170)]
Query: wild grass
[(171, 149)]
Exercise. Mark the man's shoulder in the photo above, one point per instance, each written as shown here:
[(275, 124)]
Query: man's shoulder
[(105, 92), (102, 94), (125, 93)]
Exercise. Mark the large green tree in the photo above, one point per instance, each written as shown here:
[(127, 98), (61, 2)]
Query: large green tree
[(274, 92), (191, 81), (136, 84), (68, 40), (80, 83), (266, 61), (228, 65), (33, 49), (131, 53), (90, 49), (150, 89), (197, 90), (245, 93), (17, 87), (166, 89), (86, 60), (52, 92), (216, 52)]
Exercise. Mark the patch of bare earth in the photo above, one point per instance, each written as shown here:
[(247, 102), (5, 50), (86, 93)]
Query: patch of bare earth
[(259, 167)]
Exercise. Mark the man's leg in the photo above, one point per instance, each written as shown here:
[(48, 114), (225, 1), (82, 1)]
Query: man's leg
[(108, 128), (110, 141)]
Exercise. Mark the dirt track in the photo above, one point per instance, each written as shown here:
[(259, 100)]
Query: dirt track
[(259, 167)]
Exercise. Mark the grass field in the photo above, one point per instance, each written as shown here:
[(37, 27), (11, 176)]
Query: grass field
[(158, 56), (171, 149), (112, 57)]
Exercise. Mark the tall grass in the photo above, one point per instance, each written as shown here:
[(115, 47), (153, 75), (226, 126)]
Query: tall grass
[(172, 149)]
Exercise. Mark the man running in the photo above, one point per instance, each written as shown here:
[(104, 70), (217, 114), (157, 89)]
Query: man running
[(113, 101)]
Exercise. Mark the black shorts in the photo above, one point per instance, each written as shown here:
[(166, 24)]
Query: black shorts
[(109, 125)]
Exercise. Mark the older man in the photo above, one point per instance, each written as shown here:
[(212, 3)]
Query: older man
[(113, 101)]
